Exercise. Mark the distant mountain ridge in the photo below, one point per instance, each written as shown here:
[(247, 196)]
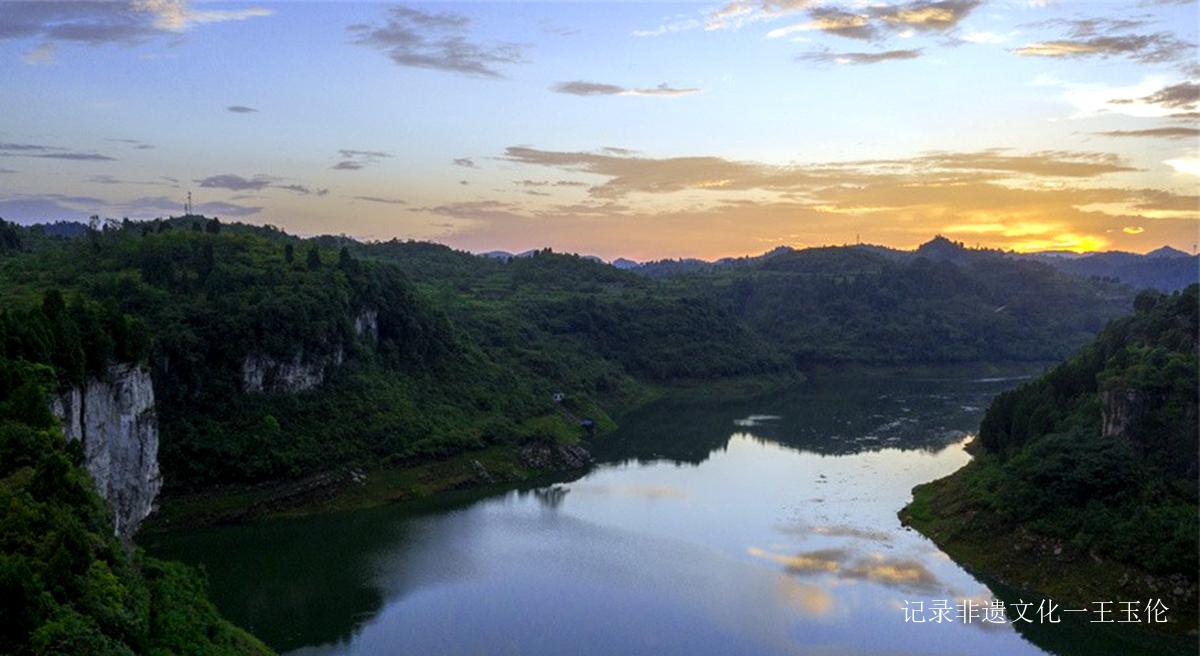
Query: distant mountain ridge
[(1165, 269)]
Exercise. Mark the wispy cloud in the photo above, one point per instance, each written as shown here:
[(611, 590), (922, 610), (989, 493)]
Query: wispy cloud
[(439, 41), (872, 21), (50, 152), (737, 13), (465, 162), (259, 182), (1185, 95), (105, 179), (717, 206), (381, 199), (102, 23), (353, 160), (55, 207), (241, 109), (582, 88), (832, 20), (625, 174), (858, 58), (1164, 132), (1104, 38)]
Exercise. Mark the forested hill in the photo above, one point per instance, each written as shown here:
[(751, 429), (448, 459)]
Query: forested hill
[(1095, 462), (421, 351), (275, 358)]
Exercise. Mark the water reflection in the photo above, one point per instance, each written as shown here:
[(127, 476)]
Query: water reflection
[(710, 528)]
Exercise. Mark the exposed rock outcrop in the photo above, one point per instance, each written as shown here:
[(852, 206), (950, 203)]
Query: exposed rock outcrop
[(553, 457), (366, 325), (115, 420), (270, 375), (1124, 412), (265, 374)]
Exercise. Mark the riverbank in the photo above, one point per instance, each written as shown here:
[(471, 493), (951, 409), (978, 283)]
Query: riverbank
[(359, 487), (1040, 567), (353, 488)]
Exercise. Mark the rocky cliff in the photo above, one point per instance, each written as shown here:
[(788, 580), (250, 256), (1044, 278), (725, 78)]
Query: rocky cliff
[(115, 420), (263, 374)]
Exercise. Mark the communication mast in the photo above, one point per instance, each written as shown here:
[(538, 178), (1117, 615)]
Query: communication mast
[(187, 208)]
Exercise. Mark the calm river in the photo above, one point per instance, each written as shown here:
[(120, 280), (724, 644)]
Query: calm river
[(763, 526)]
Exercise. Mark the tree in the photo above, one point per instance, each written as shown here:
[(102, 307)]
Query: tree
[(289, 253), (53, 304), (208, 260), (314, 258), (346, 260), (213, 227)]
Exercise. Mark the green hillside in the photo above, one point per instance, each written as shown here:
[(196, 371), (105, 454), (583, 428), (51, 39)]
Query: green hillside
[(1087, 479)]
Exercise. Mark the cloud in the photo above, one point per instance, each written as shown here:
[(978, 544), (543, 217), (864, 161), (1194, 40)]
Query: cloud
[(626, 174), (234, 182), (834, 21), (1185, 165), (4, 171), (353, 160), (1145, 48), (873, 21), (1166, 133), (681, 25), (106, 179), (986, 37), (858, 58), (1133, 230), (581, 88), (737, 13), (302, 189), (465, 162), (380, 199), (1090, 99), (104, 23), (1105, 38), (49, 152), (55, 207), (713, 207), (1185, 95), (136, 143), (176, 16), (438, 41), (1046, 163), (926, 16), (30, 209), (241, 109), (154, 206)]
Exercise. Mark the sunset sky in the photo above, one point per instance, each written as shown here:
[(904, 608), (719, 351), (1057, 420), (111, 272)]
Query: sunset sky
[(643, 130)]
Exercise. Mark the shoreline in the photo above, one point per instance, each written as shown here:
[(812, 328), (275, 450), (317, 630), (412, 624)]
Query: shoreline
[(352, 487), (1042, 567), (355, 488)]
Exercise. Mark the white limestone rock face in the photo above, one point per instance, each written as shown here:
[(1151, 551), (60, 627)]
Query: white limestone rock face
[(264, 374), (116, 421), (366, 325)]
